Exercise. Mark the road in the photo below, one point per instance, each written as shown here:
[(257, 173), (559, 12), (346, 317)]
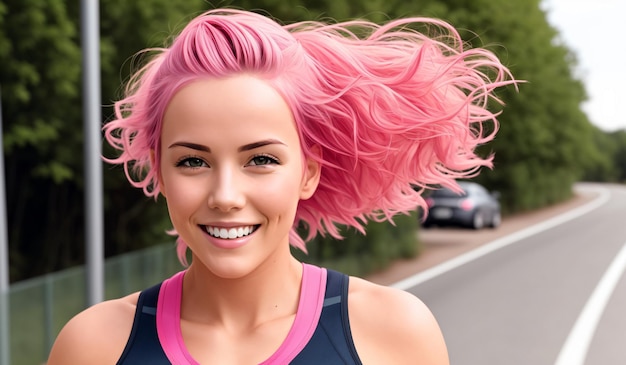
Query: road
[(553, 293)]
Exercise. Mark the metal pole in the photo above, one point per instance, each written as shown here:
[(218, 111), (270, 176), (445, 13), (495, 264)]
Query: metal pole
[(94, 221), (4, 260)]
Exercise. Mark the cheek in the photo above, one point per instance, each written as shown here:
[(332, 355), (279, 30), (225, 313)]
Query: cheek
[(183, 197), (279, 196)]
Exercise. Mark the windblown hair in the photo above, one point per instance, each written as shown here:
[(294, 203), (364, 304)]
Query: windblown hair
[(393, 111)]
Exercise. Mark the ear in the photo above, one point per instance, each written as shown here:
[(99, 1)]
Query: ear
[(312, 173), (153, 164)]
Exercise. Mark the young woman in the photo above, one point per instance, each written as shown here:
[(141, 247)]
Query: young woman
[(248, 129)]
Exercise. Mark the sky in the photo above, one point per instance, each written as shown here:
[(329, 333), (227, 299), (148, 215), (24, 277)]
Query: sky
[(595, 31)]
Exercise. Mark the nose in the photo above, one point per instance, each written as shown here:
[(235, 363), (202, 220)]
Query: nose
[(225, 193)]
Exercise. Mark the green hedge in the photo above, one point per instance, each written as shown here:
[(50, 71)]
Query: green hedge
[(360, 255)]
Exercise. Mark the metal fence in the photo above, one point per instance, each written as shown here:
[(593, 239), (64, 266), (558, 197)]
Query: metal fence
[(39, 307)]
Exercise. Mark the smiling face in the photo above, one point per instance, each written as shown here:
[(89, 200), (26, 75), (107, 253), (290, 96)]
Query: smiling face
[(232, 173)]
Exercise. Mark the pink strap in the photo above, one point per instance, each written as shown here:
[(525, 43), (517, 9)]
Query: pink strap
[(310, 305), (168, 321)]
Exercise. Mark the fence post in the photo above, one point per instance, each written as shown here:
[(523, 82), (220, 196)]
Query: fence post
[(48, 311), (5, 357), (5, 344), (94, 221)]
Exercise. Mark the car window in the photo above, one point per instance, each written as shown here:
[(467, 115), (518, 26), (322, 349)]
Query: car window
[(446, 193)]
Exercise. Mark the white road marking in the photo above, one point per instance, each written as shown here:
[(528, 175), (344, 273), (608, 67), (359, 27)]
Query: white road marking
[(503, 242), (574, 351)]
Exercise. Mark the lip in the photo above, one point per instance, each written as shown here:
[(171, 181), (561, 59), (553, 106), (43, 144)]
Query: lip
[(228, 244), (227, 224)]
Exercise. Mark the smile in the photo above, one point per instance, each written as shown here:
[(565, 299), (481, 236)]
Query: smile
[(229, 233)]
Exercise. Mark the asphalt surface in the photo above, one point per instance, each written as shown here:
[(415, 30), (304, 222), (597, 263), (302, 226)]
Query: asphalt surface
[(553, 293)]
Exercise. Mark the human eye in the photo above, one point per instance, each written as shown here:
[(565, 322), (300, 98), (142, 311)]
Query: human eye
[(191, 162), (263, 159)]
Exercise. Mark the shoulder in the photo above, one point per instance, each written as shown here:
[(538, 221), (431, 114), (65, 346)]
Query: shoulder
[(96, 335), (391, 326)]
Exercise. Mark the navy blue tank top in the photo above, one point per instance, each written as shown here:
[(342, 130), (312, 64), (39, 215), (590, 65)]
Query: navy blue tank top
[(331, 343)]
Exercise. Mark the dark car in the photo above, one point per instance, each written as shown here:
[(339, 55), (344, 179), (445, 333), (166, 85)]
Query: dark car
[(475, 207)]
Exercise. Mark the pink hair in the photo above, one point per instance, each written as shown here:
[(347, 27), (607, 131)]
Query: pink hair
[(390, 108)]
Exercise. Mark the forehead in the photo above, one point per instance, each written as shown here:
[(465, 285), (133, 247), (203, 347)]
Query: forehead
[(242, 104)]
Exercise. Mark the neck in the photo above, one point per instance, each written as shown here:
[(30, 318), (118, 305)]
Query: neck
[(271, 291)]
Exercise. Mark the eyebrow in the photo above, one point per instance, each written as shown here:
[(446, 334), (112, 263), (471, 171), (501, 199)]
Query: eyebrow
[(246, 147)]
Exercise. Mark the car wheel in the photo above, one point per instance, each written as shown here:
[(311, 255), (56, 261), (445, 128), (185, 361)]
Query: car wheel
[(478, 220), (496, 220)]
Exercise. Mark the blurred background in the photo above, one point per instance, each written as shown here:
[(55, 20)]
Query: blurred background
[(557, 130)]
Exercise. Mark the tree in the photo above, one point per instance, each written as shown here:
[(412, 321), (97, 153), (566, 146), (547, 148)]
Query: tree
[(544, 142), (134, 221), (619, 154), (41, 84), (606, 168), (40, 99)]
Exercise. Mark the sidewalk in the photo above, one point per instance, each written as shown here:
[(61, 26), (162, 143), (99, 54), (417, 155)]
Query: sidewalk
[(442, 244)]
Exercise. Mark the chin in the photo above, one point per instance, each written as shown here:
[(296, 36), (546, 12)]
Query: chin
[(230, 268)]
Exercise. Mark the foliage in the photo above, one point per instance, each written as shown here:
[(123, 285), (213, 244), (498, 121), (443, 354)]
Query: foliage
[(615, 147), (545, 142), (42, 118), (359, 254), (620, 154), (41, 130), (606, 169), (133, 221)]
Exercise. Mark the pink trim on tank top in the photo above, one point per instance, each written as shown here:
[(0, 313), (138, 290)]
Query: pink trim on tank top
[(313, 288)]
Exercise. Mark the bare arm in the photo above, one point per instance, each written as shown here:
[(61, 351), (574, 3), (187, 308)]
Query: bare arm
[(390, 326), (95, 336)]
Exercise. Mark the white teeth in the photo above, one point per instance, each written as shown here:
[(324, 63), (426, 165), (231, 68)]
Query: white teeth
[(230, 233)]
